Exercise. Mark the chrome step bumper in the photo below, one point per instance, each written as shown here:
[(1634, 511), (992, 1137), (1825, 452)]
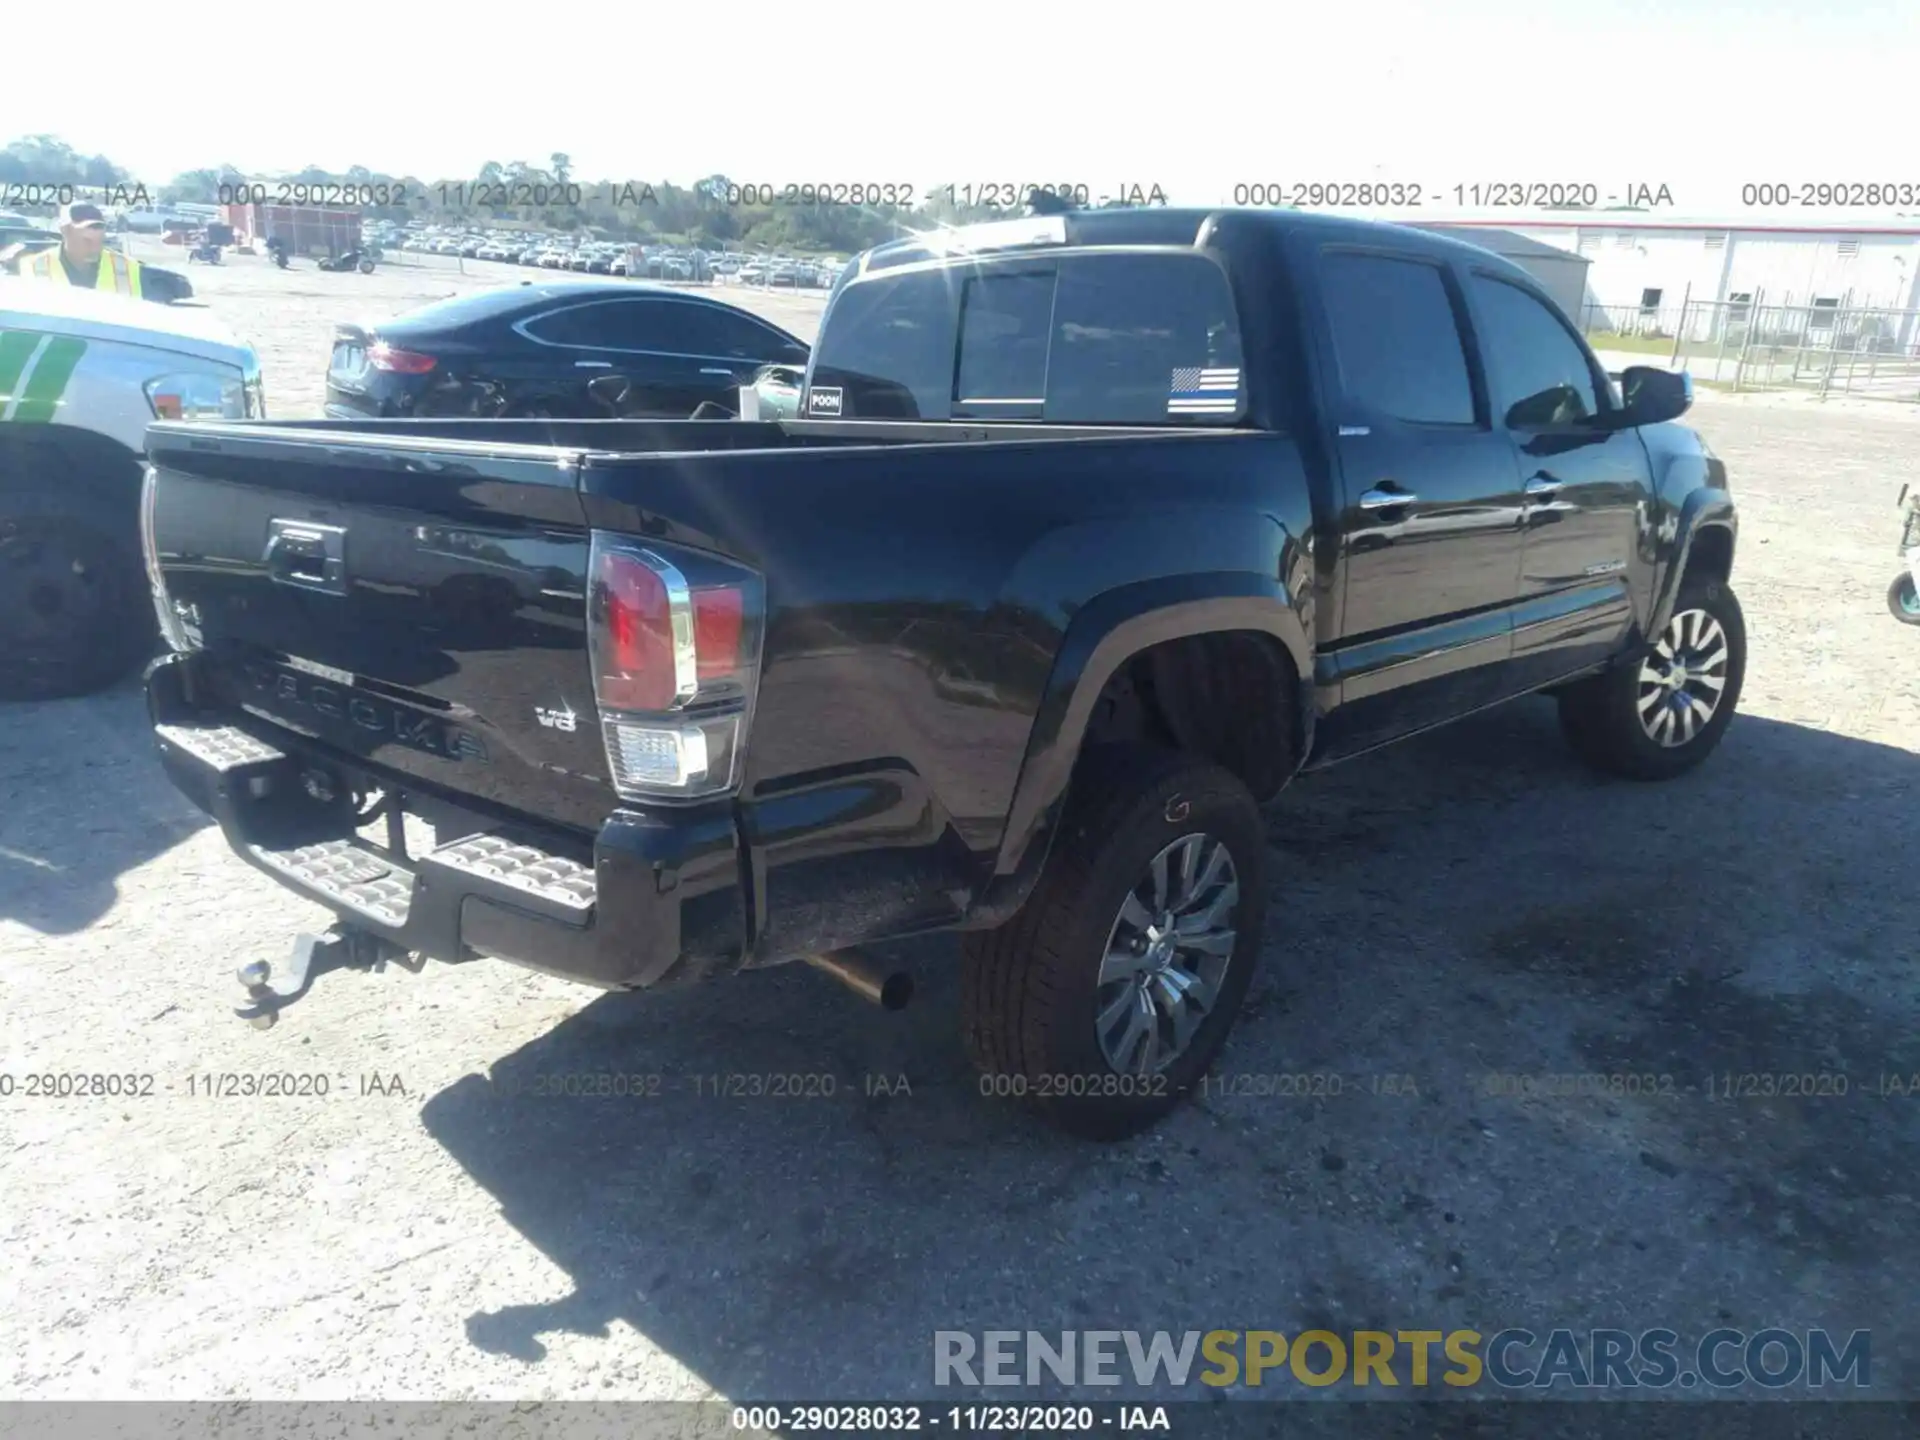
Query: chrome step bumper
[(649, 899)]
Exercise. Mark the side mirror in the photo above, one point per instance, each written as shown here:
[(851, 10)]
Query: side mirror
[(1653, 395), (1555, 407)]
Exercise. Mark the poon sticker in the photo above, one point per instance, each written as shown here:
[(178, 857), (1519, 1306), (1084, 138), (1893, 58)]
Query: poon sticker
[(1204, 392), (824, 401)]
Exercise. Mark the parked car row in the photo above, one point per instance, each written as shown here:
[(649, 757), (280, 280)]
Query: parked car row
[(781, 270), (606, 257)]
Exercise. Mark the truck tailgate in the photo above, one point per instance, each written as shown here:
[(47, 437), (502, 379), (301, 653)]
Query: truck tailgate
[(419, 604)]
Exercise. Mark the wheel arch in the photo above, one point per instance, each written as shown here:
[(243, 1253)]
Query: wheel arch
[(1705, 537), (1137, 633), (79, 467), (1710, 556)]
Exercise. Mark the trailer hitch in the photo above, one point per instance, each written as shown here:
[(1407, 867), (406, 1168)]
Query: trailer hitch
[(270, 990)]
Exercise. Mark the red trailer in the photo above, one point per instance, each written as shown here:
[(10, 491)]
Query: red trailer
[(317, 230)]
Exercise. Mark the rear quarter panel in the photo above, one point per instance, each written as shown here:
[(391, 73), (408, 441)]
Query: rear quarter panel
[(921, 600)]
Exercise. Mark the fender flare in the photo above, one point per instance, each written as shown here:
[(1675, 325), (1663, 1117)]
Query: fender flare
[(1706, 508), (1104, 634), (84, 470)]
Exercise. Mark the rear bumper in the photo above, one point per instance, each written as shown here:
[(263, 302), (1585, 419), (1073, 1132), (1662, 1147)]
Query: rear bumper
[(341, 404), (652, 899)]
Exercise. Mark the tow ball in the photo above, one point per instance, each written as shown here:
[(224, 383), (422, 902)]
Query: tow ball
[(270, 990)]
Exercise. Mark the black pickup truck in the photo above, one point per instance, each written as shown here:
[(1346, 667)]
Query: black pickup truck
[(1095, 529)]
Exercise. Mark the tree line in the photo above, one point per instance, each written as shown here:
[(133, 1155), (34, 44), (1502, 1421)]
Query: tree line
[(713, 212)]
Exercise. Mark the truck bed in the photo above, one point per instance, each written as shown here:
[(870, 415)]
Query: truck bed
[(920, 579)]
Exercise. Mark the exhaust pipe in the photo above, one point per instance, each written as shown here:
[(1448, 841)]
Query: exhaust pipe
[(889, 990)]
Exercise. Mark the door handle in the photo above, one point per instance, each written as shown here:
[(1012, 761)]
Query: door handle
[(593, 364), (306, 555), (1544, 485), (1385, 499), (295, 560), (715, 370)]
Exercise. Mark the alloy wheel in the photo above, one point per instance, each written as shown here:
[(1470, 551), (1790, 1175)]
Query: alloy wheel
[(1683, 678), (51, 590), (1166, 955)]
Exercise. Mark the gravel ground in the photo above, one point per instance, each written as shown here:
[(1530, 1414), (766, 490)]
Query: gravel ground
[(1469, 904)]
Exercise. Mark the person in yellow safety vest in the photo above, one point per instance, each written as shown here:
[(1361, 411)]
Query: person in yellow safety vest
[(83, 258)]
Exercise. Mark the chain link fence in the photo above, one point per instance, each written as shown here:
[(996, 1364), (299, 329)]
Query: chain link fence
[(422, 260), (1748, 343)]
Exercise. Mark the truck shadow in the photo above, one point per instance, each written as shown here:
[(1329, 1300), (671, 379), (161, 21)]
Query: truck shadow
[(789, 1193), (82, 801)]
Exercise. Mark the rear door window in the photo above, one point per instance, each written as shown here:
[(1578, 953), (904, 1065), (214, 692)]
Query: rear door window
[(607, 325), (737, 336), (1396, 338)]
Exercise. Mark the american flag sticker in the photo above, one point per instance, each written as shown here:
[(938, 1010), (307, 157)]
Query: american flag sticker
[(1199, 391)]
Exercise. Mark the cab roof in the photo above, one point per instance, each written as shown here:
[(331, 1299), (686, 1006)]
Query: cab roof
[(1145, 225)]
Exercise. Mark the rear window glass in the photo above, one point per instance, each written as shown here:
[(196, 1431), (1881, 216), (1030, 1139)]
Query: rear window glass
[(1006, 323), (889, 347), (1145, 339), (480, 305), (1121, 338)]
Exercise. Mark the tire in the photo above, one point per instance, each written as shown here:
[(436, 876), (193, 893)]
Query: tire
[(75, 615), (1602, 716), (1902, 600), (1030, 991)]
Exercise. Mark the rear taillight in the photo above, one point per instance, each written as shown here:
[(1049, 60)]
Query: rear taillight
[(674, 638), (382, 356)]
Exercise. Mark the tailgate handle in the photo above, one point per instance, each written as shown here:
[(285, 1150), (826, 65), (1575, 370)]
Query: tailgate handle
[(306, 555)]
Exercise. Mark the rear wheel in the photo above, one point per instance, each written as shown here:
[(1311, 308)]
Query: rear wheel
[(1904, 601), (1664, 712), (1102, 1003), (74, 612)]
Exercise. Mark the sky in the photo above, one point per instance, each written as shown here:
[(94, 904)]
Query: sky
[(1701, 96)]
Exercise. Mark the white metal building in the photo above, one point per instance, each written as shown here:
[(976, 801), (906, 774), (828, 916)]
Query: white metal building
[(1557, 269), (1655, 265)]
